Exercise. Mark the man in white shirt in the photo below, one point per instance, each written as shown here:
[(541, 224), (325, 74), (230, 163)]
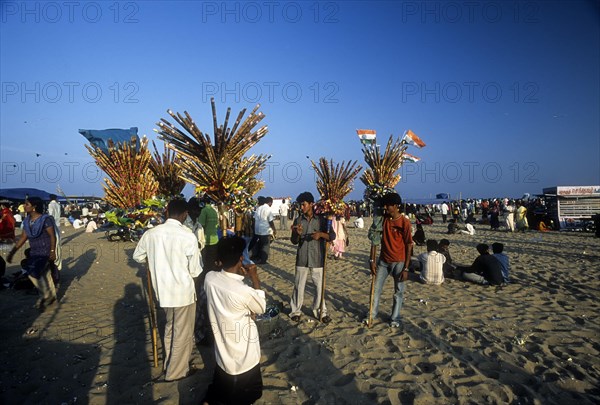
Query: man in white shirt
[(91, 226), (444, 208), (231, 308), (284, 209), (432, 264), (173, 257), (263, 223), (469, 230), (54, 209)]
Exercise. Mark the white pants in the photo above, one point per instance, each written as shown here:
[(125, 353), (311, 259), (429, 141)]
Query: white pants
[(316, 274)]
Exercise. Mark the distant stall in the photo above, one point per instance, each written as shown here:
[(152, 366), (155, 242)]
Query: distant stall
[(572, 207)]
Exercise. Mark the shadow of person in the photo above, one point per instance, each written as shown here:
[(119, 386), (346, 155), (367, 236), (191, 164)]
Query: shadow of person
[(131, 361)]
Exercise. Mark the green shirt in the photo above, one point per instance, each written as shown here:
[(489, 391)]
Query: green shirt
[(209, 219)]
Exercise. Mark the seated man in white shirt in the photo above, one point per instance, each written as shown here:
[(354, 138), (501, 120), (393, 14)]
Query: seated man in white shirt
[(359, 222), (432, 264), (231, 309), (469, 230), (91, 226)]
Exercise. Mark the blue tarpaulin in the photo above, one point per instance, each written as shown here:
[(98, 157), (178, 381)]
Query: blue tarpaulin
[(443, 196), (22, 193), (100, 137)]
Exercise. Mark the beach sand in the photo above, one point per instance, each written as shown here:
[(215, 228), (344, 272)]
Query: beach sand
[(535, 341)]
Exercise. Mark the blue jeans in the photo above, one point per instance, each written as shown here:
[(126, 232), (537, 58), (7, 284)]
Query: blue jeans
[(383, 270)]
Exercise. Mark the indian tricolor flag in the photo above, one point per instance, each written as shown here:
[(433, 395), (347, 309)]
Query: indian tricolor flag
[(410, 158), (412, 138), (367, 136)]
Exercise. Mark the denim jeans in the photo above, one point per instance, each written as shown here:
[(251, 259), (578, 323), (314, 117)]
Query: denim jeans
[(383, 271)]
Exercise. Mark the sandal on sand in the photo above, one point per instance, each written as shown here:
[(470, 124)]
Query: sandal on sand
[(326, 319)]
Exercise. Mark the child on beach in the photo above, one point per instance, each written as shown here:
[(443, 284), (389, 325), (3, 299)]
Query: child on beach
[(497, 248)]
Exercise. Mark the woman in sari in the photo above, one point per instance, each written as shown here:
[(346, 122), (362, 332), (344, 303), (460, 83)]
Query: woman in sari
[(7, 224), (521, 217), (39, 230)]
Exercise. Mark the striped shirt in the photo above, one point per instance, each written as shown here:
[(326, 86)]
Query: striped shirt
[(432, 264)]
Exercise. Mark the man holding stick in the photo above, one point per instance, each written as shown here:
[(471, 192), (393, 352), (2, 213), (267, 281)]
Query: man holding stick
[(394, 259), (310, 233), (173, 258)]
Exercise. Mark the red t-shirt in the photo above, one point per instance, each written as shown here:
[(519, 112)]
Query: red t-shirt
[(396, 235)]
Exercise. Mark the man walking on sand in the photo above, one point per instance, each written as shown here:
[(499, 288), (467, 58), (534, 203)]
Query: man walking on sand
[(171, 250), (232, 306)]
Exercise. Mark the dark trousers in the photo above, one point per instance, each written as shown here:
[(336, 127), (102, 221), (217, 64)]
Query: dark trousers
[(209, 256), (239, 389), (262, 248)]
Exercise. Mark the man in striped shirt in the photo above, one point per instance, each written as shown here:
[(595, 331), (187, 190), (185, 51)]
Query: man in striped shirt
[(432, 264)]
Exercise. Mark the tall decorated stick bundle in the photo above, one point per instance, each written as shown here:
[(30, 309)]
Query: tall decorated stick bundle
[(380, 178), (334, 182)]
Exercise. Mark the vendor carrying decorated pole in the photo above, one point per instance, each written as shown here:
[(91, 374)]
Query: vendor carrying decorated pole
[(380, 179), (334, 182)]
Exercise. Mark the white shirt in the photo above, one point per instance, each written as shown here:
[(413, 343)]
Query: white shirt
[(432, 267), (444, 209), (91, 226), (174, 260), (230, 304), (77, 224), (54, 211), (359, 223), (283, 209), (262, 217), (470, 230)]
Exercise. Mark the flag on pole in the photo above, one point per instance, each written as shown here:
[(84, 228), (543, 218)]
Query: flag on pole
[(412, 138), (410, 158), (367, 136)]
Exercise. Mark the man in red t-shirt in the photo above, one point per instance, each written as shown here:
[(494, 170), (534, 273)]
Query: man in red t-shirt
[(394, 259)]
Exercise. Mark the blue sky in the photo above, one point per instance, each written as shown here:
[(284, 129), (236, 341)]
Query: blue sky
[(505, 94)]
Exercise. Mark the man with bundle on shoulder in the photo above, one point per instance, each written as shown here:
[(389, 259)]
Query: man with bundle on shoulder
[(310, 232)]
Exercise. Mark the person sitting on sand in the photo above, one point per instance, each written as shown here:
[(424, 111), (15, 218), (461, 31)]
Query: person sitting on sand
[(432, 264), (232, 306), (444, 248), (468, 230), (471, 218), (453, 227), (359, 222), (498, 248), (486, 269), (91, 226), (419, 236), (542, 227)]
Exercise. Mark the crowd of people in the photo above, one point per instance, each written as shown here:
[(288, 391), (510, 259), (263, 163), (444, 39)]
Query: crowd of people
[(199, 257)]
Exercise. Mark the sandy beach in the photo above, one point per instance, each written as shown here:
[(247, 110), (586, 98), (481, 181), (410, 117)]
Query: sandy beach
[(534, 341)]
